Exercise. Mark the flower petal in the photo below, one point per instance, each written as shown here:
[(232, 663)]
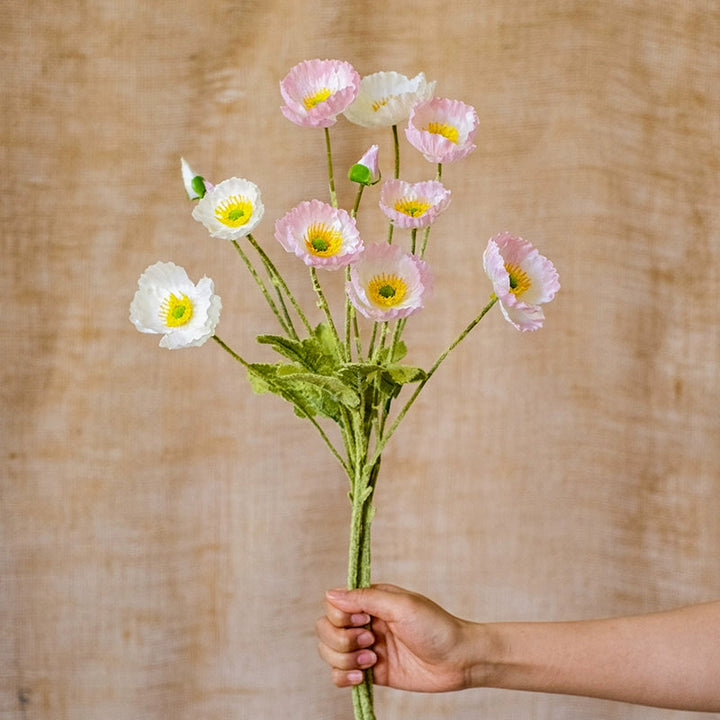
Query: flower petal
[(167, 302), (413, 205), (319, 234), (522, 279), (442, 129), (387, 283), (317, 91), (231, 209), (386, 98)]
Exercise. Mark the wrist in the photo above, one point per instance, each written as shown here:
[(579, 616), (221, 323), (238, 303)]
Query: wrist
[(483, 655)]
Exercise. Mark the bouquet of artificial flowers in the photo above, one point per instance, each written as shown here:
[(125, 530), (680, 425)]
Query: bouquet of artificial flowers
[(346, 372)]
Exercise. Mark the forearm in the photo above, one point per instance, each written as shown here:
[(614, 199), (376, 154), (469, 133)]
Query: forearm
[(667, 659)]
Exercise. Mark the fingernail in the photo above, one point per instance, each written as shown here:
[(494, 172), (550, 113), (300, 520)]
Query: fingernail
[(355, 677), (359, 618), (336, 593), (365, 639), (366, 658)]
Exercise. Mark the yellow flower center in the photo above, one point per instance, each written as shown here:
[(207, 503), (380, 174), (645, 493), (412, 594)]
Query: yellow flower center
[(321, 95), (412, 207), (322, 240), (386, 290), (234, 211), (377, 104), (447, 131), (176, 311), (519, 280)]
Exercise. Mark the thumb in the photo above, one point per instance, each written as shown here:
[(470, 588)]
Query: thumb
[(380, 601)]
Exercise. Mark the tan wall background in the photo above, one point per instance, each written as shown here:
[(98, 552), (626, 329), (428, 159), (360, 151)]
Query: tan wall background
[(167, 535)]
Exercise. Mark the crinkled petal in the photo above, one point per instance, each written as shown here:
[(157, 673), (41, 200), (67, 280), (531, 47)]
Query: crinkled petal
[(231, 209), (413, 205), (442, 129), (386, 98), (524, 317), (381, 260), (494, 266), (334, 224), (543, 276), (156, 287), (317, 91), (522, 279)]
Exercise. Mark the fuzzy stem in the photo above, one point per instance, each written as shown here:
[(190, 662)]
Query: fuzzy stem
[(323, 305), (284, 322), (359, 557), (382, 442), (297, 402), (331, 178), (358, 197), (278, 281), (396, 146), (426, 235), (273, 274)]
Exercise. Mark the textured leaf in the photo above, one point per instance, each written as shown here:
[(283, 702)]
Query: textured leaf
[(402, 374), (311, 393), (317, 353)]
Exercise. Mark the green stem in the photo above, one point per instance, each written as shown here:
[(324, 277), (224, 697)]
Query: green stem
[(323, 305), (413, 240), (381, 343), (356, 330), (351, 325), (295, 400), (359, 560), (396, 146), (331, 178), (278, 281), (273, 274), (283, 322), (358, 197), (438, 174), (426, 235), (397, 332), (382, 442), (373, 337)]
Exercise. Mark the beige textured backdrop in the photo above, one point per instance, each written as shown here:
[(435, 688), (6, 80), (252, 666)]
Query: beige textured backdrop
[(166, 535)]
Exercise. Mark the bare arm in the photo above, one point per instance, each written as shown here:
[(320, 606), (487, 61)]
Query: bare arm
[(669, 659)]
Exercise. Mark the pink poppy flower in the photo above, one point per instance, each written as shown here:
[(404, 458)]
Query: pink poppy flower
[(413, 205), (387, 283), (442, 130), (317, 91), (522, 279), (319, 234)]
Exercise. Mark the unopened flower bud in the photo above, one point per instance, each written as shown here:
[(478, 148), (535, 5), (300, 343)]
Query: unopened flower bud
[(366, 170), (195, 185)]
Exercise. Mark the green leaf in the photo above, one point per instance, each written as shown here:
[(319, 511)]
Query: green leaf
[(338, 390), (400, 352), (351, 373), (310, 393), (402, 374), (317, 353)]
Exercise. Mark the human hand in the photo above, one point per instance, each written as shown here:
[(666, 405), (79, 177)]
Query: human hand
[(412, 643)]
